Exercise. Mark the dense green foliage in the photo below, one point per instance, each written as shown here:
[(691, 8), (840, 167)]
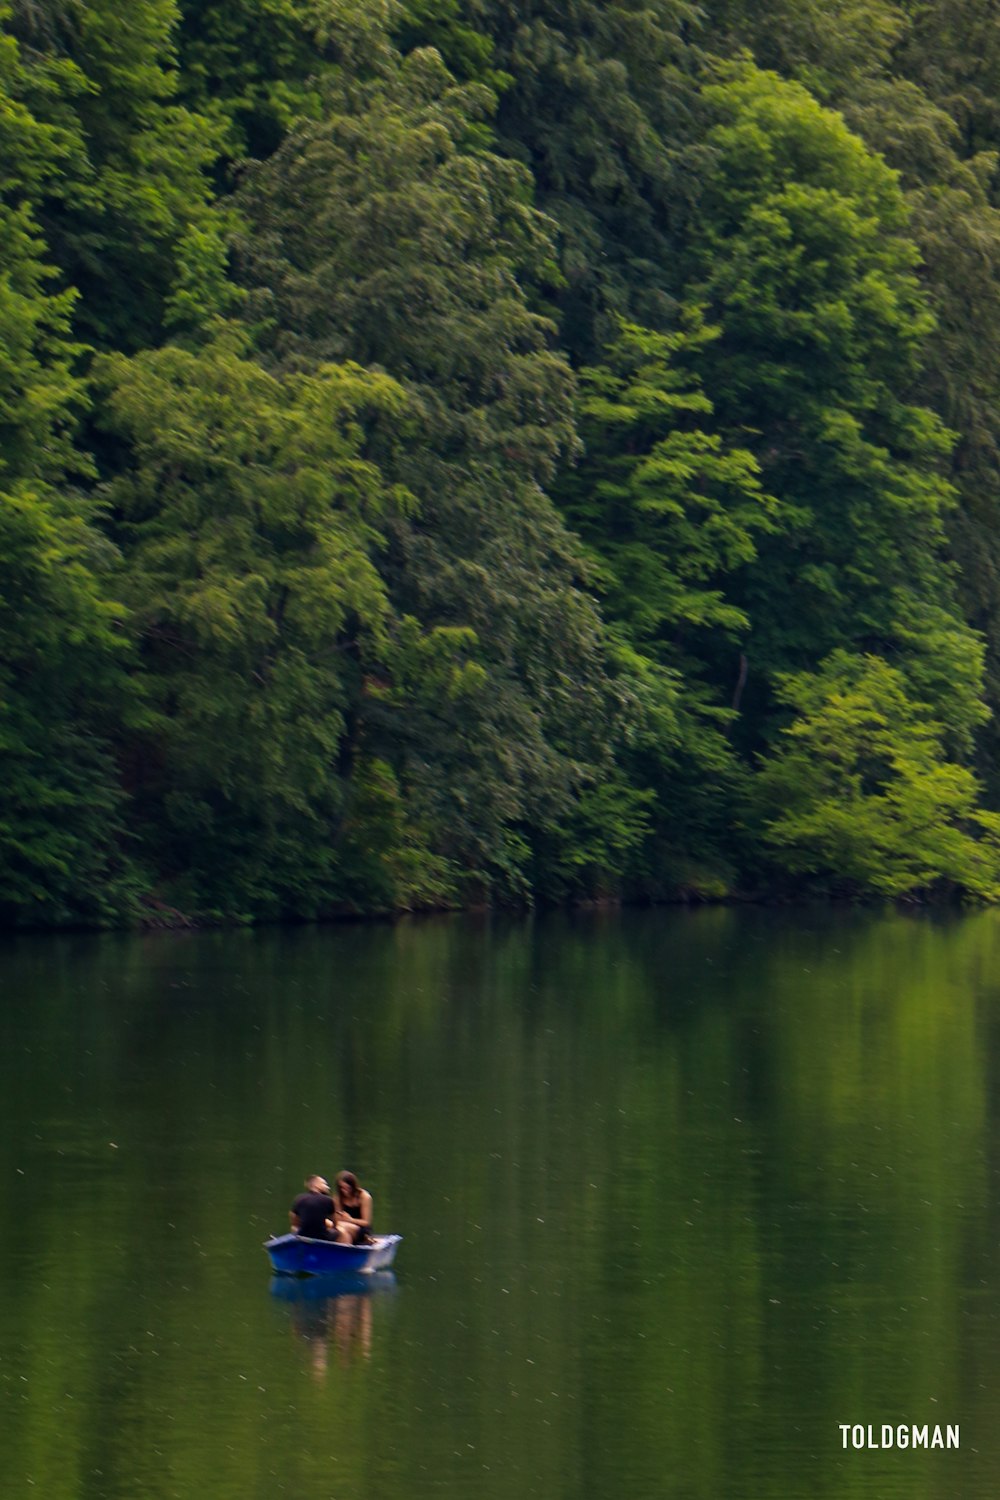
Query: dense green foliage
[(799, 250), (131, 181), (859, 789), (389, 235), (250, 516), (463, 452)]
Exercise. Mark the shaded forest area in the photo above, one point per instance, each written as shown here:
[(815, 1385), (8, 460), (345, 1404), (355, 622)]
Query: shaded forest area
[(465, 451)]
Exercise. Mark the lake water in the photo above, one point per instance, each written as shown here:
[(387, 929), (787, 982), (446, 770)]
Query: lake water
[(681, 1193)]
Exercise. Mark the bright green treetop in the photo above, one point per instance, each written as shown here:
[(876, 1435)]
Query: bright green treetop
[(859, 792)]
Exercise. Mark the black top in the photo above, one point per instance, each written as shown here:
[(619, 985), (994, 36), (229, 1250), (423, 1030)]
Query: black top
[(311, 1209)]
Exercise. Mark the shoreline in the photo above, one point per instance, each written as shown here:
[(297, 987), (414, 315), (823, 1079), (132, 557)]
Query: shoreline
[(169, 920)]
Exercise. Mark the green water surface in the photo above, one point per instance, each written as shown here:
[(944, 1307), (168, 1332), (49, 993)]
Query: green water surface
[(681, 1193)]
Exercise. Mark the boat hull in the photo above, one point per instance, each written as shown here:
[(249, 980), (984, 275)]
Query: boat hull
[(330, 1287), (294, 1255)]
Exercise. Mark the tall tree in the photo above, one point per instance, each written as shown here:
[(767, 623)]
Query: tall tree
[(800, 252), (388, 234), (919, 82), (672, 514), (62, 687), (250, 518)]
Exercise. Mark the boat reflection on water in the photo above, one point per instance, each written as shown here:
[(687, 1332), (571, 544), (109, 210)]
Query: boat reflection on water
[(334, 1312)]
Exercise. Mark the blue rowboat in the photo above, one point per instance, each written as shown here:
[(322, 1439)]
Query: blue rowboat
[(294, 1255)]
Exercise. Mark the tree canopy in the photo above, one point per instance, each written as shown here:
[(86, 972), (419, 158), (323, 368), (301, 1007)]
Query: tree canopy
[(468, 453)]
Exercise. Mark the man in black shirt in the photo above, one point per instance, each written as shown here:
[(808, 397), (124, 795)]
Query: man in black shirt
[(311, 1209)]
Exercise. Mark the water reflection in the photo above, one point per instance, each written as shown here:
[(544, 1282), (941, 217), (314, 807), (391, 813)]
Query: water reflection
[(334, 1314), (682, 1193)]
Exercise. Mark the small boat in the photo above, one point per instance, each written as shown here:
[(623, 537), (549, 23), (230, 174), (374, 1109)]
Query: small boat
[(294, 1255)]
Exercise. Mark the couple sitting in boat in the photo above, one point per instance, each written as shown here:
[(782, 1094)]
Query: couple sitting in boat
[(344, 1216)]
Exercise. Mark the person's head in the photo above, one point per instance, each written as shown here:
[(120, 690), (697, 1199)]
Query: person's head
[(348, 1185), (317, 1183)]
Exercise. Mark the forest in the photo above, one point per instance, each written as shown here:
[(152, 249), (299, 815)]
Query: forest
[(461, 453)]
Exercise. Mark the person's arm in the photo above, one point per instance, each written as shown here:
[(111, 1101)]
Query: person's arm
[(366, 1211)]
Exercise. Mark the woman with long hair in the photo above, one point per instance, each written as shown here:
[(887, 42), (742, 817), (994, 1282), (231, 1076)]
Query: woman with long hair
[(352, 1210)]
